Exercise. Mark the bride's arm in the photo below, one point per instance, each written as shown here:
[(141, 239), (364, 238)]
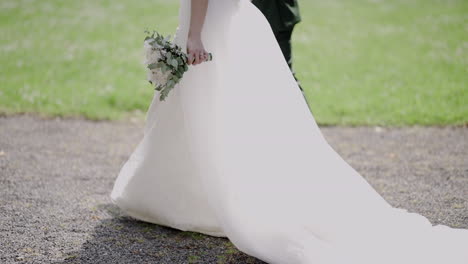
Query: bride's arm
[(196, 51)]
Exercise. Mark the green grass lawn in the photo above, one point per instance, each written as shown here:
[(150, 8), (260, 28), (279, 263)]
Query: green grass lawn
[(395, 62)]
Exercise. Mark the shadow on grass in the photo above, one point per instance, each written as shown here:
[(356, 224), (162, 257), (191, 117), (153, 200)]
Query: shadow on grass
[(122, 239)]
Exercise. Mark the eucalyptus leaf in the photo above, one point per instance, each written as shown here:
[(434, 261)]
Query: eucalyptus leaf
[(170, 83), (164, 94), (153, 66)]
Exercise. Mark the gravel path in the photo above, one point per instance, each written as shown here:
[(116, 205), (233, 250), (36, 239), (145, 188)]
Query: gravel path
[(56, 175)]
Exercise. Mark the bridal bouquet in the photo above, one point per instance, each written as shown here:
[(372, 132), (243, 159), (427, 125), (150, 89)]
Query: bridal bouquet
[(166, 62)]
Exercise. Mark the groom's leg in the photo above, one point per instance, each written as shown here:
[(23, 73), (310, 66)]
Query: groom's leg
[(284, 41)]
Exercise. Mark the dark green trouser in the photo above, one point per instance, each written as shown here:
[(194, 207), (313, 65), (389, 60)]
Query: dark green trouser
[(282, 15), (284, 41)]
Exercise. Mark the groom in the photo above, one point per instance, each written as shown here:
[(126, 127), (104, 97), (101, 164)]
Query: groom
[(282, 15)]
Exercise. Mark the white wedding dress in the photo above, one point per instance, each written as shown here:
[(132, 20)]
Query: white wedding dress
[(234, 151)]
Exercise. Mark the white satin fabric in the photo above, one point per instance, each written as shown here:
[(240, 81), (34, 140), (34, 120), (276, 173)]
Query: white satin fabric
[(234, 151)]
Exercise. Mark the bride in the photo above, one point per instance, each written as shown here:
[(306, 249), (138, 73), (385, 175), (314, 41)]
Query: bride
[(234, 151)]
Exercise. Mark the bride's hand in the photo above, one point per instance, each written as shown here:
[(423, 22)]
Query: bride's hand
[(195, 50)]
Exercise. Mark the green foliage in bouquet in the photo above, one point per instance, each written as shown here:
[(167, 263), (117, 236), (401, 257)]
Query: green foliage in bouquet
[(171, 62)]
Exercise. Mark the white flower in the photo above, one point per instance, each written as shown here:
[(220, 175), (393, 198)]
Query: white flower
[(152, 54), (146, 44), (157, 77)]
